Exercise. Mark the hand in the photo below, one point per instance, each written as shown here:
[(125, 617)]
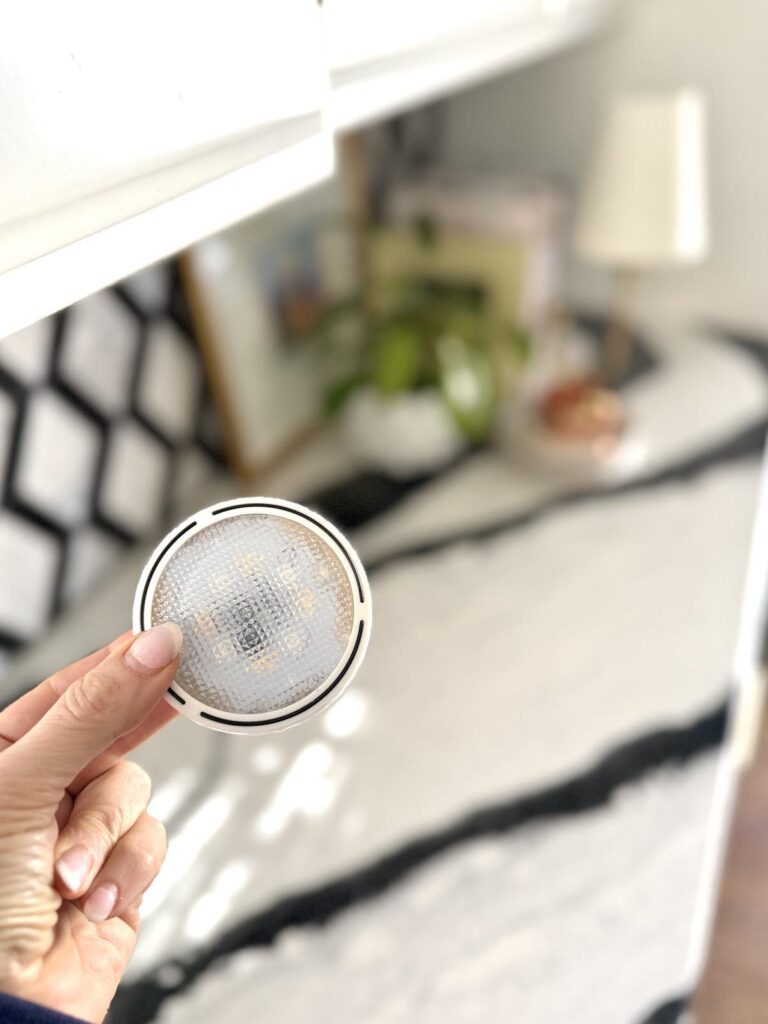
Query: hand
[(77, 847)]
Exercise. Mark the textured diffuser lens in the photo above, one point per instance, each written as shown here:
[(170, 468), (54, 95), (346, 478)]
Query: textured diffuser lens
[(274, 607)]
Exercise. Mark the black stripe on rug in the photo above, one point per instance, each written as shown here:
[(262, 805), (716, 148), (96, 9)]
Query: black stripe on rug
[(744, 445), (667, 1012), (139, 1001)]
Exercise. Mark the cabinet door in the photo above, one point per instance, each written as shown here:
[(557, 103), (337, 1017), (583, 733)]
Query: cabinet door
[(130, 131), (387, 55)]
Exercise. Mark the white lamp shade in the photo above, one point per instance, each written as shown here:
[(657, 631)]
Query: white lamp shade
[(644, 200)]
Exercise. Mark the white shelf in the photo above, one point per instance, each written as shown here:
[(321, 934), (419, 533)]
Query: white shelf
[(388, 55), (127, 138)]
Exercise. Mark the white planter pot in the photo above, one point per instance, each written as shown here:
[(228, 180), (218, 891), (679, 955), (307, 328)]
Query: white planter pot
[(404, 435)]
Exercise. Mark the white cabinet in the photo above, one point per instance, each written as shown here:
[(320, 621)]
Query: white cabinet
[(129, 131), (388, 55)]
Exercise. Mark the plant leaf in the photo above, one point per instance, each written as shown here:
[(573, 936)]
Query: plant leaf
[(467, 381), (338, 394), (519, 342), (398, 349)]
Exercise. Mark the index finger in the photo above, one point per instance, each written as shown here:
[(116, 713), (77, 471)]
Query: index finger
[(19, 717), (106, 704)]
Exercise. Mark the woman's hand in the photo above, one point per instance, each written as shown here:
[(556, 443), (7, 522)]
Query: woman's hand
[(77, 847)]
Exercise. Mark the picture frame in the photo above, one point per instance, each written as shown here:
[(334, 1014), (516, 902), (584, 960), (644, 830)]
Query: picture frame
[(258, 292), (457, 260)]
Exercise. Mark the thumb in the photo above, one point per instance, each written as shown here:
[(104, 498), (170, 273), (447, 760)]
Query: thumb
[(93, 712)]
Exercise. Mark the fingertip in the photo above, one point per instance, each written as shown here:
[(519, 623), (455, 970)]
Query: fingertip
[(154, 649), (71, 869), (101, 903)]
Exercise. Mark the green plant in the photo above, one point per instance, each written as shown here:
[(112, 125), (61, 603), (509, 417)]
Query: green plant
[(435, 334)]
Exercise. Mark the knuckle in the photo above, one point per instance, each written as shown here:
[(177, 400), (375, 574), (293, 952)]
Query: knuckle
[(151, 862), (103, 823), (147, 860), (139, 778), (92, 697), (162, 836), (57, 684), (150, 854)]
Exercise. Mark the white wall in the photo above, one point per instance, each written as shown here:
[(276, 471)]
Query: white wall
[(543, 118)]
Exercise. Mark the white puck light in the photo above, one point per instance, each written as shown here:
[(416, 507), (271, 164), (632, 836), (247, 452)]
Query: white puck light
[(275, 610)]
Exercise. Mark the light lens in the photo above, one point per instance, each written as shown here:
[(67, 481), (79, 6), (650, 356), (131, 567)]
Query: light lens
[(266, 608)]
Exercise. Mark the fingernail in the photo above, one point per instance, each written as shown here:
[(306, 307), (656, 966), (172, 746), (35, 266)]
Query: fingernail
[(72, 867), (101, 903), (154, 649)]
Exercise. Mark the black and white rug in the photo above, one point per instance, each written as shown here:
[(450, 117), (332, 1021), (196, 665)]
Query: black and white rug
[(505, 817), (579, 918)]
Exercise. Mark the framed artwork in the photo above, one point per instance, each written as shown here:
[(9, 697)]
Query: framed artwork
[(486, 271), (258, 293)]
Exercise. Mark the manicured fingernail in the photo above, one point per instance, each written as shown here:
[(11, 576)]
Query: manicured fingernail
[(101, 903), (72, 867), (154, 649)]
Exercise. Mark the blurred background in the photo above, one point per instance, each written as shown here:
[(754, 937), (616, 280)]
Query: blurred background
[(482, 283)]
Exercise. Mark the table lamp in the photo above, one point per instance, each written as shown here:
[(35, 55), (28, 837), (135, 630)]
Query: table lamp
[(644, 202)]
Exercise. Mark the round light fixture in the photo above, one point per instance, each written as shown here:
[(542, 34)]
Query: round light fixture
[(275, 610)]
